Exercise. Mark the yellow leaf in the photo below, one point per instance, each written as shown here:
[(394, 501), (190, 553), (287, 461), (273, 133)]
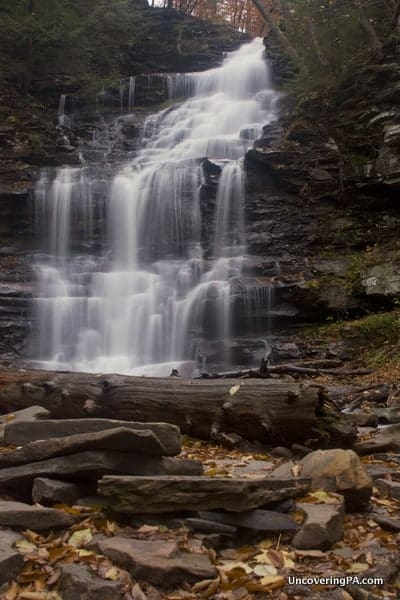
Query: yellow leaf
[(82, 552), (229, 565), (112, 574), (322, 496), (80, 538), (265, 570), (358, 567), (273, 582), (234, 390), (25, 547)]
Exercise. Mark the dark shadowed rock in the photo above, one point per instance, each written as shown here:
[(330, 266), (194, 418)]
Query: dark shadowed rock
[(258, 520), (18, 434), (323, 526), (90, 465), (120, 439), (389, 488), (171, 494), (158, 562), (79, 583), (38, 518), (52, 491), (11, 561)]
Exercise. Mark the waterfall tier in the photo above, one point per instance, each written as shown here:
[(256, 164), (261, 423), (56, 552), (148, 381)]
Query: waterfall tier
[(126, 281)]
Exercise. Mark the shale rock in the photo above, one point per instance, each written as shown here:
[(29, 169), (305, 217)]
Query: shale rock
[(335, 471), (154, 495), (158, 562), (257, 520), (121, 439), (381, 441), (32, 413), (11, 561), (78, 582), (38, 518), (322, 528), (18, 434), (389, 488), (52, 491), (90, 465)]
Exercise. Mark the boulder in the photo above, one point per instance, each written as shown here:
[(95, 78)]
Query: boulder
[(90, 466), (323, 526), (120, 439), (334, 470), (38, 518), (52, 491), (11, 561), (158, 562), (78, 581), (165, 494), (18, 434), (33, 413)]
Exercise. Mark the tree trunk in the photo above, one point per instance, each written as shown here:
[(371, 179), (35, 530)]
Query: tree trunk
[(282, 38), (369, 29), (256, 409)]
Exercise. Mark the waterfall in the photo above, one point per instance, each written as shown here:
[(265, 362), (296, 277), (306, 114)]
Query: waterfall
[(152, 288), (62, 119), (131, 95)]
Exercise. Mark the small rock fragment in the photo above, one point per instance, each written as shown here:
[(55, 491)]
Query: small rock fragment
[(11, 561)]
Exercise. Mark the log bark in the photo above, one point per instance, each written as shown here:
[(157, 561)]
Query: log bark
[(256, 409)]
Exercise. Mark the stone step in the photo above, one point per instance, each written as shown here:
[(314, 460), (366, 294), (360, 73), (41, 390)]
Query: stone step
[(165, 494)]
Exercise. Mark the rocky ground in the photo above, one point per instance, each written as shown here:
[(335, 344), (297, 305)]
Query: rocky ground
[(104, 509)]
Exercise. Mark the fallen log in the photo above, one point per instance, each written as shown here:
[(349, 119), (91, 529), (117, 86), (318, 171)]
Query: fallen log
[(295, 369), (256, 409)]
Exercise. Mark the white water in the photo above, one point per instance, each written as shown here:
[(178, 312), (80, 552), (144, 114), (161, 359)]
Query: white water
[(131, 94), (149, 299)]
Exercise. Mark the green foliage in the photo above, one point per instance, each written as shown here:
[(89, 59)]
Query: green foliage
[(72, 39), (331, 37)]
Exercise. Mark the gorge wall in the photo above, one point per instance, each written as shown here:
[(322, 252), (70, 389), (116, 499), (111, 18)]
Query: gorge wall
[(321, 199)]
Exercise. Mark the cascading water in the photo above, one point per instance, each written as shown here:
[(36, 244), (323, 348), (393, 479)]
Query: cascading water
[(146, 292)]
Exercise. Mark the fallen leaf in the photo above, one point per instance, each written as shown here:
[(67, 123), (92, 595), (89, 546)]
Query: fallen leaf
[(234, 390), (265, 570), (273, 582), (25, 547), (12, 592), (358, 567), (112, 574), (80, 538)]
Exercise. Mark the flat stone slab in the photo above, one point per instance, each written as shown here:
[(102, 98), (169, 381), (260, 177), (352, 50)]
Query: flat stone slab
[(173, 494), (11, 561), (92, 465), (322, 528), (20, 433), (158, 562), (389, 488), (120, 439), (37, 518), (52, 491), (386, 438), (79, 582), (258, 520), (33, 413)]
